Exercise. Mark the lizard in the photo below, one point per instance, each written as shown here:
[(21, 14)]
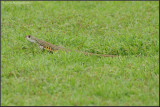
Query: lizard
[(54, 48)]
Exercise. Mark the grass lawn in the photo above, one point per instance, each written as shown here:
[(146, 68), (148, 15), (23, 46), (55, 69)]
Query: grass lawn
[(128, 29)]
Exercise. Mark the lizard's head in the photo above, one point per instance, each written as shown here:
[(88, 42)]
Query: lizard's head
[(30, 38)]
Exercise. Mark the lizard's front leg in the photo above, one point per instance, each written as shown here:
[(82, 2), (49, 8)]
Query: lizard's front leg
[(41, 47)]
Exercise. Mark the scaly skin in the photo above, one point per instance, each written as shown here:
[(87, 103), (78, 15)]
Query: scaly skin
[(53, 48)]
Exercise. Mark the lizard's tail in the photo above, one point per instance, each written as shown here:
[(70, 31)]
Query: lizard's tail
[(86, 53)]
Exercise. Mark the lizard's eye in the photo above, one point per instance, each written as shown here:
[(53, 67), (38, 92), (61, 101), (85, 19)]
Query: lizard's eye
[(29, 36)]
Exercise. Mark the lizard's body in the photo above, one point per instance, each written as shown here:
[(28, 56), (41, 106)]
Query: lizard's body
[(53, 48)]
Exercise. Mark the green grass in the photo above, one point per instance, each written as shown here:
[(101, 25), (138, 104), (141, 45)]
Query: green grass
[(128, 29)]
